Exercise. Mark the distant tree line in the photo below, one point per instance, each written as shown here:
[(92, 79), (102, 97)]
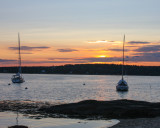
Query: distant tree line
[(90, 69)]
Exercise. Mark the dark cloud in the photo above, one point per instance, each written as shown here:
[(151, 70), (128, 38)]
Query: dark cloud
[(29, 48), (59, 58), (152, 48), (145, 57), (67, 50), (105, 59), (132, 46), (5, 60), (25, 53), (117, 50), (54, 61), (138, 42)]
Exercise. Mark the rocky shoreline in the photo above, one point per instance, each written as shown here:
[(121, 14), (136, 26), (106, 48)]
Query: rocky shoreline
[(117, 109), (138, 123)]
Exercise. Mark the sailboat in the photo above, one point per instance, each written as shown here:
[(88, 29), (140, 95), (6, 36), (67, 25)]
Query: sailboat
[(122, 84), (18, 78)]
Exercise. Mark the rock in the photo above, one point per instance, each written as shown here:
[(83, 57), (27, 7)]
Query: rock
[(107, 109), (86, 109)]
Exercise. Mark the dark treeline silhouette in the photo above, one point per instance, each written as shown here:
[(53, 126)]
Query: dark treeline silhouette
[(92, 69)]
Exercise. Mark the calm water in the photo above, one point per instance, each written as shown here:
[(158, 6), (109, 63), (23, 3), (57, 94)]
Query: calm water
[(70, 88), (9, 119)]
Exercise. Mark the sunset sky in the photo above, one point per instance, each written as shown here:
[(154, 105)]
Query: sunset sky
[(58, 32)]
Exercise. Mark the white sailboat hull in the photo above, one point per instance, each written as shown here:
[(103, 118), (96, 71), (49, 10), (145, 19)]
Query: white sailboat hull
[(122, 86), (18, 80)]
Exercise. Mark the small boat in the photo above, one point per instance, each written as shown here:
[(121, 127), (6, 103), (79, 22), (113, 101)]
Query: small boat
[(122, 84), (18, 78)]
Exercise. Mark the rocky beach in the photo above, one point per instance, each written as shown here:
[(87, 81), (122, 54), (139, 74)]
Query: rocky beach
[(132, 114)]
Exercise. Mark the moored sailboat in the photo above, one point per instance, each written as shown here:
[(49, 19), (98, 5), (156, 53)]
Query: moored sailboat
[(122, 84), (18, 78)]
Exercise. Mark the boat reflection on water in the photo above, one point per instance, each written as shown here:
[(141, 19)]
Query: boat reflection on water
[(31, 121), (17, 125), (122, 94)]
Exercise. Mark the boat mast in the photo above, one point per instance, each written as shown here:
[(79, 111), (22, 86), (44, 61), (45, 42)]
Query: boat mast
[(19, 48), (123, 58)]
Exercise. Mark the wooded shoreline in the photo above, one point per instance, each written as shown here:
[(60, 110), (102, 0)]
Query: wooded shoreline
[(88, 69)]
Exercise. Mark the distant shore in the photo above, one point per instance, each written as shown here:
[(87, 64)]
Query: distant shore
[(87, 69)]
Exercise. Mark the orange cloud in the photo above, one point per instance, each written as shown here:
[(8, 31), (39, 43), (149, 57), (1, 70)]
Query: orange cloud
[(98, 41), (104, 41)]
